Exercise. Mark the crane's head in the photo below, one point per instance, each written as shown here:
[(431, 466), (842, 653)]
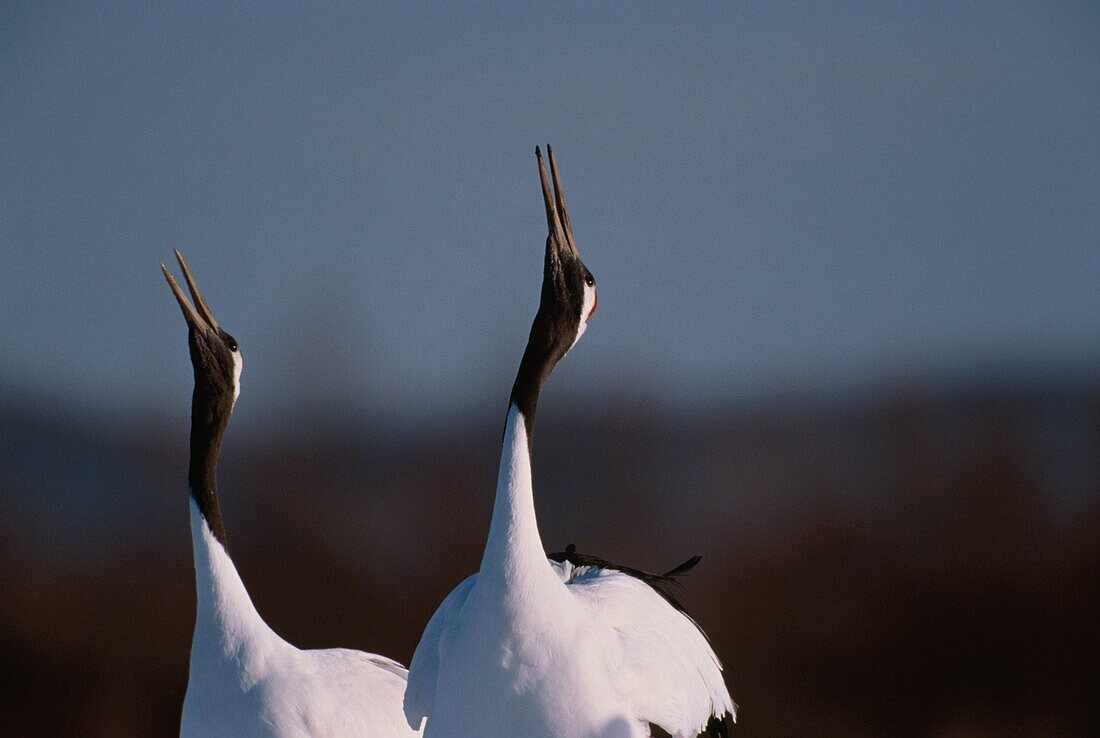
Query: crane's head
[(215, 355), (568, 288)]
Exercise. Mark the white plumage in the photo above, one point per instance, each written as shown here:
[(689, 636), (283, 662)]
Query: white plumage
[(668, 674), (244, 679), (534, 647), (247, 681), (529, 647)]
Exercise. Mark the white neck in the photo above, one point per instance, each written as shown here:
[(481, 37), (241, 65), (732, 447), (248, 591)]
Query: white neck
[(228, 630), (514, 555)]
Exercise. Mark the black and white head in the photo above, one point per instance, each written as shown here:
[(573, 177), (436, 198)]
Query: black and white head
[(568, 296), (215, 355), (568, 288)]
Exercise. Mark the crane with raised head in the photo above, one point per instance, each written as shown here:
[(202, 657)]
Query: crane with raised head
[(570, 645), (244, 679)]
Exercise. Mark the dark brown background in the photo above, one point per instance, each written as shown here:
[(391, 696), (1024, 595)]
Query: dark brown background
[(918, 562)]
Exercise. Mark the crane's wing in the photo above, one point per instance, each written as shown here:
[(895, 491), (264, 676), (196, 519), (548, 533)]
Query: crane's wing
[(339, 691), (424, 667), (670, 676)]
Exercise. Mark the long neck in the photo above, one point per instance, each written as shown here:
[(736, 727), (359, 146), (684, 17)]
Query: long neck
[(230, 636), (227, 625), (514, 554), (209, 418), (514, 532), (539, 359)]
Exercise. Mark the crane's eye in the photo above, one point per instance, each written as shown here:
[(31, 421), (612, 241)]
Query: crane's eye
[(588, 280), (233, 345)]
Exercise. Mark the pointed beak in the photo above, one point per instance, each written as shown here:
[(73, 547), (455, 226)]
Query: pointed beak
[(200, 319), (557, 216)]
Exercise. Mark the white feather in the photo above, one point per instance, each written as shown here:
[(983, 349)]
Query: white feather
[(247, 681), (668, 674), (534, 648)]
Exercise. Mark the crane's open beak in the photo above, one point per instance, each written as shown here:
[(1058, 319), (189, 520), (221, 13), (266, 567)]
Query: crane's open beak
[(557, 216), (201, 319)]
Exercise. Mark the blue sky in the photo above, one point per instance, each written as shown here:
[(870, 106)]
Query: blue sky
[(769, 196)]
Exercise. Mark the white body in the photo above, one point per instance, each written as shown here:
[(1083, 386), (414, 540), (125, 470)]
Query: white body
[(247, 681), (528, 647)]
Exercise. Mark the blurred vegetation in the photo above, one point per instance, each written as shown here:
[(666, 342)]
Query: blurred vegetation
[(922, 562)]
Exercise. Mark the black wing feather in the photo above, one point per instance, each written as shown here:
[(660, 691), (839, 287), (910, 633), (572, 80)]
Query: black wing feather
[(663, 584)]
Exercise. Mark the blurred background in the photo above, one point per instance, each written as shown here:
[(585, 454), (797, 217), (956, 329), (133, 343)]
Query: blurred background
[(848, 344)]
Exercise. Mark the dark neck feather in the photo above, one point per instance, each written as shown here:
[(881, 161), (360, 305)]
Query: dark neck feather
[(534, 368), (550, 339), (210, 412), (552, 332)]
